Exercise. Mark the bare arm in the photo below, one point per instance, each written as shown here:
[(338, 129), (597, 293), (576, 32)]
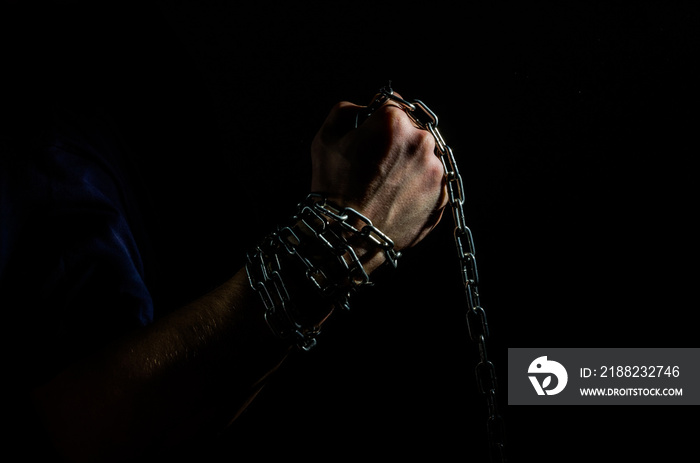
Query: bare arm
[(200, 366), (162, 384)]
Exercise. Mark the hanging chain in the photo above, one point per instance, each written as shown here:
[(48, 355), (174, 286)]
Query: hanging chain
[(477, 325)]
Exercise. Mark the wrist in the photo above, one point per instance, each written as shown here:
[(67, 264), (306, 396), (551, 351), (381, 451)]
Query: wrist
[(313, 264), (370, 257)]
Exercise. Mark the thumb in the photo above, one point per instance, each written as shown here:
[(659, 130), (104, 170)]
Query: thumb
[(340, 120)]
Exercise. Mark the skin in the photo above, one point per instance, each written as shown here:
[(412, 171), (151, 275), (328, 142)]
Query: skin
[(193, 371)]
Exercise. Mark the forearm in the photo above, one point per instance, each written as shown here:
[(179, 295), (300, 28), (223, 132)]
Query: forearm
[(174, 378), (198, 366), (195, 369)]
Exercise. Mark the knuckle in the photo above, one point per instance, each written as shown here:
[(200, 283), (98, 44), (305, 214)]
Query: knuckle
[(425, 142), (393, 118), (339, 120), (435, 171), (386, 129), (342, 106), (341, 113)]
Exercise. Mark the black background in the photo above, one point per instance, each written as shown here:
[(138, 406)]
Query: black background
[(574, 129)]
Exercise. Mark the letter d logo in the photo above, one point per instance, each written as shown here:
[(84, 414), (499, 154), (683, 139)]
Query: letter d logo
[(541, 366)]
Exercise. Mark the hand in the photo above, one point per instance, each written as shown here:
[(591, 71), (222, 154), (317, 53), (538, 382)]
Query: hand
[(386, 169)]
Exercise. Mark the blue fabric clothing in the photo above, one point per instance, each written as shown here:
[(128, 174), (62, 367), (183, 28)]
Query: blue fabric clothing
[(71, 271)]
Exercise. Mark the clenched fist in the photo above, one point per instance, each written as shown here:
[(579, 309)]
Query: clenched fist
[(386, 169)]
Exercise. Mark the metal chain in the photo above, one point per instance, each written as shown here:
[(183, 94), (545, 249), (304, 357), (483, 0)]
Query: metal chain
[(477, 325), (314, 244)]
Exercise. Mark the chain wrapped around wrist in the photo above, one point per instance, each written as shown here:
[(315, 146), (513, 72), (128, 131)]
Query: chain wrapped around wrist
[(309, 267)]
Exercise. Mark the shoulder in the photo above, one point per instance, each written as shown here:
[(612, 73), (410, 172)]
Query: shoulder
[(69, 227)]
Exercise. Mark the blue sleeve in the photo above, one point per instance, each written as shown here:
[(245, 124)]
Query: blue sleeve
[(71, 274)]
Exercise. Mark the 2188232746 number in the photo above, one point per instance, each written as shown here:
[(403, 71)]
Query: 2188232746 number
[(644, 371)]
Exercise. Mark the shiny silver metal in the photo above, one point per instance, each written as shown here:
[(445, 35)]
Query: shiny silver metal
[(424, 118)]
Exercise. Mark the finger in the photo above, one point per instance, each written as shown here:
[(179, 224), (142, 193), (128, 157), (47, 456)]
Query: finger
[(444, 196), (340, 120), (379, 100), (380, 94)]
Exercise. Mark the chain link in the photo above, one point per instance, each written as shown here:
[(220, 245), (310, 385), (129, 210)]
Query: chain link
[(477, 325), (315, 245)]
